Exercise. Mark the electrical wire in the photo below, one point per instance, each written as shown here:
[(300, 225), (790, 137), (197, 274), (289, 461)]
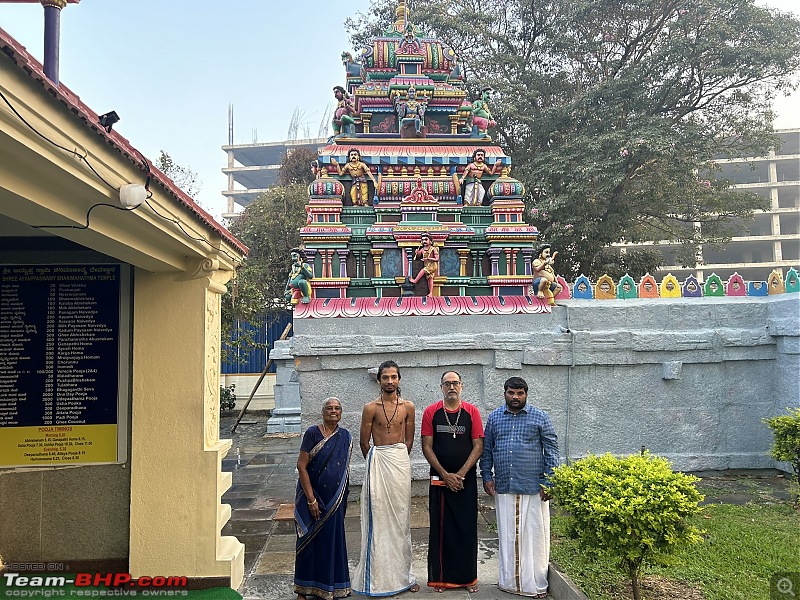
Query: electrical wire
[(89, 212), (84, 158), (186, 233), (80, 156)]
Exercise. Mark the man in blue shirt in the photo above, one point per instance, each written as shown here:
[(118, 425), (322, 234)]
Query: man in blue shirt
[(520, 451)]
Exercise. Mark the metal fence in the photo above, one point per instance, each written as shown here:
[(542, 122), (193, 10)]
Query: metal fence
[(253, 360)]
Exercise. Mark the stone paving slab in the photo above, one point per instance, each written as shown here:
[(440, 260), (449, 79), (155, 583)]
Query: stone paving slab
[(262, 494)]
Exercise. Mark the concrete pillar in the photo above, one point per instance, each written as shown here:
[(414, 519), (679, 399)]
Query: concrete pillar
[(176, 453), (286, 416)]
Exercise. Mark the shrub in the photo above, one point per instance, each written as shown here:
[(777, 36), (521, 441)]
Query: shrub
[(786, 445), (227, 397), (633, 509)]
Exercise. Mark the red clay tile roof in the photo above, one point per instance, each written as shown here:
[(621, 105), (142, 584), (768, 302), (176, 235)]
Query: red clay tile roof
[(35, 70)]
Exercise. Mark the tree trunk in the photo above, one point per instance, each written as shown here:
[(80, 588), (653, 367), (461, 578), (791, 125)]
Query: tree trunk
[(634, 574)]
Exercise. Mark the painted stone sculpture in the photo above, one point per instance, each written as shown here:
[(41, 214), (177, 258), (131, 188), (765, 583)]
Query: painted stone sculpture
[(481, 115), (298, 288), (429, 255), (473, 190), (344, 115), (358, 171), (545, 284)]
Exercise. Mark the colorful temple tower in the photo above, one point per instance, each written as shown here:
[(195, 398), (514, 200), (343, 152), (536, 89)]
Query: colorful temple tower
[(433, 168)]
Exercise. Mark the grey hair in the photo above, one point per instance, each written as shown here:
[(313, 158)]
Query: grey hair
[(328, 399)]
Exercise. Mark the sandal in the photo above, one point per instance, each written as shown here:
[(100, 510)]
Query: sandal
[(414, 588), (473, 589)]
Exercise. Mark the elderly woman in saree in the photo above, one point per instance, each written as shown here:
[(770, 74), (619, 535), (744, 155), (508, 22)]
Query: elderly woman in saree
[(323, 467)]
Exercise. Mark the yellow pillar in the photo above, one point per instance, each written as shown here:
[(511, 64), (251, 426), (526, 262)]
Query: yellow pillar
[(463, 254), (176, 454), (376, 260)]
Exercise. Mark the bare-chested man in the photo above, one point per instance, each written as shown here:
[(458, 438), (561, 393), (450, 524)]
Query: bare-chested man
[(388, 422)]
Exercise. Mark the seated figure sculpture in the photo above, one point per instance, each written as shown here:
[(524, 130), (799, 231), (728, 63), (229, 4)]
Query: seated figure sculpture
[(481, 115), (409, 110), (298, 288), (545, 285)]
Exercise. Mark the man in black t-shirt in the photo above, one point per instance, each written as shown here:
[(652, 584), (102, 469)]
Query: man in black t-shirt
[(452, 442)]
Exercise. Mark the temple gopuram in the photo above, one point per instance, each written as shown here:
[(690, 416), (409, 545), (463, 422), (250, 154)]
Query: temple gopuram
[(411, 155)]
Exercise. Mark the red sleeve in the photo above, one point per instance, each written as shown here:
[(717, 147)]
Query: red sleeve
[(477, 423), (427, 418)]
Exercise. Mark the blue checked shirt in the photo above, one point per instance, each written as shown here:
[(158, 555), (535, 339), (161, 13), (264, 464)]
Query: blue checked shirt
[(519, 450)]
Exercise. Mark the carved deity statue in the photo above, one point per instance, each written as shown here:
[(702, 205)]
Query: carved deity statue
[(411, 109), (545, 285), (298, 288)]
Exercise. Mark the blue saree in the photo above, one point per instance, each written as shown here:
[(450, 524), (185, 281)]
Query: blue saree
[(320, 567)]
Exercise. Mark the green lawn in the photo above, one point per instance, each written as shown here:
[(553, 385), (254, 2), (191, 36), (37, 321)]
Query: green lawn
[(744, 546)]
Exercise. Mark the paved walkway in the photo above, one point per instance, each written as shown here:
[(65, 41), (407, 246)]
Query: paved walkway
[(264, 478)]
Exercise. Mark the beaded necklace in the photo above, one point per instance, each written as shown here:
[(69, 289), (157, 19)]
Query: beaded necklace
[(388, 420)]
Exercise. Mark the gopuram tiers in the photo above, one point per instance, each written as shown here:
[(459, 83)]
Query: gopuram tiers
[(407, 113)]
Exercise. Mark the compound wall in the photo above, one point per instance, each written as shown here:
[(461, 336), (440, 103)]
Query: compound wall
[(688, 378)]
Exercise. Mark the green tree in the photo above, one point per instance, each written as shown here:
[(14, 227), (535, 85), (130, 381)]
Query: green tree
[(269, 226), (184, 178), (616, 112), (296, 166), (634, 509), (786, 444)]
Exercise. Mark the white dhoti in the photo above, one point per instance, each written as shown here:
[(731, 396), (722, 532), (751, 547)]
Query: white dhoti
[(474, 193), (384, 568), (523, 529)]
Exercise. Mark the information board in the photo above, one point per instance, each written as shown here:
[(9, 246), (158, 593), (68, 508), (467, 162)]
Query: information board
[(61, 390)]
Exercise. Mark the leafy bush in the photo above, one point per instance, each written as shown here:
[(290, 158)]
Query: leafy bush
[(227, 397), (634, 509), (786, 444)]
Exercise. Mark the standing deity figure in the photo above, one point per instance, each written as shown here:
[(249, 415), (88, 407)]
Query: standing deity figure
[(411, 108), (343, 117), (473, 191), (429, 255), (544, 277), (298, 288), (481, 115), (358, 171)]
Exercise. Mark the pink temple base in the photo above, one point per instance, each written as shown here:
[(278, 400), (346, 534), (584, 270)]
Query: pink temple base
[(409, 306)]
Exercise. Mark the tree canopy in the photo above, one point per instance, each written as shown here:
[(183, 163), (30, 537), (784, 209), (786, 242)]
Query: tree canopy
[(184, 177), (616, 113), (269, 226), (296, 166)]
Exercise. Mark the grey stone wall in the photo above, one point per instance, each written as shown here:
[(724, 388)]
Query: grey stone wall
[(689, 378)]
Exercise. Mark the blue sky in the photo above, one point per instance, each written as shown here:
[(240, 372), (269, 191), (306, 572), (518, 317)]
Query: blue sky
[(170, 68)]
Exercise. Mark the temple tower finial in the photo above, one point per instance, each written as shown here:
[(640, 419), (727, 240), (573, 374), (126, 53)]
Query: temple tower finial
[(401, 16)]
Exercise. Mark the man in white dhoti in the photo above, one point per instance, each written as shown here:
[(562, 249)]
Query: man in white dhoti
[(384, 568), (520, 451)]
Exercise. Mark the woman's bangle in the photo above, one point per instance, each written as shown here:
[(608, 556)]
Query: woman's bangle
[(312, 503)]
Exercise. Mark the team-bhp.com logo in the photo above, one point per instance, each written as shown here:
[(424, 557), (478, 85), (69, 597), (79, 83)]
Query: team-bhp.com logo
[(92, 585)]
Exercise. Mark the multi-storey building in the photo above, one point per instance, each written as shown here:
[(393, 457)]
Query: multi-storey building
[(253, 168), (772, 239)]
